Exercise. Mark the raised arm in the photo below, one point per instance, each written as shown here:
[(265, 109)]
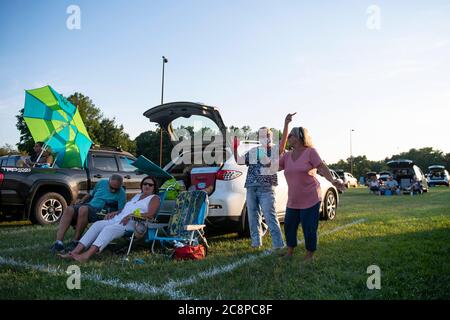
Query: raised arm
[(284, 137)]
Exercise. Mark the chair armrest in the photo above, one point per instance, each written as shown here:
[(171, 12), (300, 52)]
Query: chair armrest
[(193, 227)]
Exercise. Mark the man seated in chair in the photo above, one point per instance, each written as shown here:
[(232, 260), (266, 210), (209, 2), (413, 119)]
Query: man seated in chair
[(83, 212), (392, 185)]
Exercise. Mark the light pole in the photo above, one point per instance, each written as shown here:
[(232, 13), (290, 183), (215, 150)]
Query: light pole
[(164, 60), (351, 152)]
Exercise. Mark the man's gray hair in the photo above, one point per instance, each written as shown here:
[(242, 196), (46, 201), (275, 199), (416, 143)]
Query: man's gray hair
[(117, 177)]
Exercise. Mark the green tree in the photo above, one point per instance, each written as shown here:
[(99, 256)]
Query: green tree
[(147, 144), (26, 142), (8, 149)]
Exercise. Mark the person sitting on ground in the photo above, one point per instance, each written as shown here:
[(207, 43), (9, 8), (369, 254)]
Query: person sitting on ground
[(101, 233), (83, 212), (374, 185), (392, 185)]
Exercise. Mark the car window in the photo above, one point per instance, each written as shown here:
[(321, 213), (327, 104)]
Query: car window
[(126, 164), (11, 162), (105, 163)]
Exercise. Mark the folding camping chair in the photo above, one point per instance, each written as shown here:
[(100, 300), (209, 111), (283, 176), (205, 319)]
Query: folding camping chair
[(186, 222)]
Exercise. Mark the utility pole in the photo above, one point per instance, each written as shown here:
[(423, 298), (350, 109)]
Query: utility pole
[(162, 101)]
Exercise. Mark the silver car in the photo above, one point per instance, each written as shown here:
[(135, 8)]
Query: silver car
[(224, 180)]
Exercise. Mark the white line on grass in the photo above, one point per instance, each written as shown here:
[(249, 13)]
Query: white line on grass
[(141, 288), (232, 266), (170, 287)]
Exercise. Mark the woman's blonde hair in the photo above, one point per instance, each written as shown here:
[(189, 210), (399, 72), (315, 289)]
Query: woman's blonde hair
[(303, 135), (307, 141)]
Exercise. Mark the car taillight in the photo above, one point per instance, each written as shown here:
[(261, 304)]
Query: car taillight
[(227, 175), (1, 177)]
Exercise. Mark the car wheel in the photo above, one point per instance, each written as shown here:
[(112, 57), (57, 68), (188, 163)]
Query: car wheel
[(49, 208), (329, 206), (244, 228)]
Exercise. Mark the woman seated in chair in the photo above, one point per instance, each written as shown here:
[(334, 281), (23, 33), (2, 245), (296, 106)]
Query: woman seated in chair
[(101, 233)]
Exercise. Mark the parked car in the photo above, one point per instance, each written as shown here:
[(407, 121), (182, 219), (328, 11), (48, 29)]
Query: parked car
[(227, 208), (406, 173), (336, 178), (437, 175), (41, 194), (348, 179), (384, 175)]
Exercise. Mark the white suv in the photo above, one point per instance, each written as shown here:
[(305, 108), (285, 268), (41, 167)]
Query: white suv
[(227, 208)]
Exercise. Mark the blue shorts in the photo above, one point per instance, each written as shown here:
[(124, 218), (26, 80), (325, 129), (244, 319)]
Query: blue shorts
[(92, 213)]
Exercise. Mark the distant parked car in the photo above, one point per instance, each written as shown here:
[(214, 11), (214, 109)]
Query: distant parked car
[(384, 175), (348, 179), (336, 178), (406, 173), (438, 175)]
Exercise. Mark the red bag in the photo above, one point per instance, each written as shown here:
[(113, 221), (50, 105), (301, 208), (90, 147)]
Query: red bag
[(190, 252)]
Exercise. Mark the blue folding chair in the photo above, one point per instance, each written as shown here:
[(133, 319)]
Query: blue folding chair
[(186, 222)]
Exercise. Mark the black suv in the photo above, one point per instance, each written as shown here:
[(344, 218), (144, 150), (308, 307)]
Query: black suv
[(41, 194)]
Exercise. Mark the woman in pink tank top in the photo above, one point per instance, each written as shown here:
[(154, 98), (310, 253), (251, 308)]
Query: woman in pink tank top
[(304, 194)]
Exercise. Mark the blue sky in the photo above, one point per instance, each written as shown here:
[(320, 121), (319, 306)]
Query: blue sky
[(255, 60)]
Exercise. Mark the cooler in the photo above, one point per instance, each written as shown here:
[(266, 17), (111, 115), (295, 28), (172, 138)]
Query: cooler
[(203, 177)]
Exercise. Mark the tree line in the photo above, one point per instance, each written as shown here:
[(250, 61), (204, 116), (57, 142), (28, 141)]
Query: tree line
[(106, 132)]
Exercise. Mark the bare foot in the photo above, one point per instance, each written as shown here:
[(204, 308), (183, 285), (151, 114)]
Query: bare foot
[(287, 256), (66, 255), (308, 257), (81, 258)]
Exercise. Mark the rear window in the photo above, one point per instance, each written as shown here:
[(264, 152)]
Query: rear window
[(105, 163), (11, 162), (126, 164)]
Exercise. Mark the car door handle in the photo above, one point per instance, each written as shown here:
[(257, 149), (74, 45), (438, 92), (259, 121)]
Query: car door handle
[(127, 176), (98, 175)]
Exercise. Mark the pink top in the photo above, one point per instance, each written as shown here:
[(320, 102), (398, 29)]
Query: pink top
[(303, 187)]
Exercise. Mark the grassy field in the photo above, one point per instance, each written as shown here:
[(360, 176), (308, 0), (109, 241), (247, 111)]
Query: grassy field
[(407, 237)]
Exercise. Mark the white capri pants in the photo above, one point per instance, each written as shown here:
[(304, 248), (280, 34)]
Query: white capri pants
[(101, 233)]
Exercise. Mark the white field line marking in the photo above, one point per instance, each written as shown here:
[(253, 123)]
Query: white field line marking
[(141, 288), (230, 267), (170, 287)]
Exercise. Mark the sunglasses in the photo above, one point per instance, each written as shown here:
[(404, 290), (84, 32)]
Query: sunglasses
[(148, 184)]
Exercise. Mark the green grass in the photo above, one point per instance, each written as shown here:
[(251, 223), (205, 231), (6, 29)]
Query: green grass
[(407, 237)]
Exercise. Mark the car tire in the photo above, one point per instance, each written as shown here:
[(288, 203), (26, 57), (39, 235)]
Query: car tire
[(329, 208), (244, 228), (48, 208)]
